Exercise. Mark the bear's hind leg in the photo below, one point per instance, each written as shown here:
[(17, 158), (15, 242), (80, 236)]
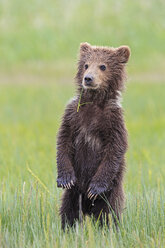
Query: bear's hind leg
[(116, 201), (69, 208), (112, 202), (100, 212)]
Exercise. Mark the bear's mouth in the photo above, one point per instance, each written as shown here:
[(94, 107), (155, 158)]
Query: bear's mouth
[(89, 86)]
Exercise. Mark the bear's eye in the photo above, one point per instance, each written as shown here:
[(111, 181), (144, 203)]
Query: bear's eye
[(86, 66), (102, 67)]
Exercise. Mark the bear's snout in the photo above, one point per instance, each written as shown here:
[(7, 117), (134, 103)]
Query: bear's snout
[(88, 80)]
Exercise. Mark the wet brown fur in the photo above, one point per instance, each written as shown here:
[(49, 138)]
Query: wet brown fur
[(92, 142)]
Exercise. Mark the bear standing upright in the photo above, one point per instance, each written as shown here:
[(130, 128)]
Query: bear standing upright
[(92, 139)]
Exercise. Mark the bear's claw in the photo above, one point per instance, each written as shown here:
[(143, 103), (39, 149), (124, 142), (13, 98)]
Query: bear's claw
[(67, 181), (95, 189)]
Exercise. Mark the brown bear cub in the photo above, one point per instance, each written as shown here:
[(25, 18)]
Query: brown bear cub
[(92, 140)]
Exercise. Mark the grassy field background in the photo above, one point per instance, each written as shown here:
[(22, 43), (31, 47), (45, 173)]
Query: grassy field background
[(39, 41), (38, 38)]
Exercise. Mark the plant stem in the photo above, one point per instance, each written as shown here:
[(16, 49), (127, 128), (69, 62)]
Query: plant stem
[(79, 102)]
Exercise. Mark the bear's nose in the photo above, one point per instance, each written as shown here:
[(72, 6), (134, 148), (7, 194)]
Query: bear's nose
[(88, 80)]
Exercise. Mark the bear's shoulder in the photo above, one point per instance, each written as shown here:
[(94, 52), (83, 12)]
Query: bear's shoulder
[(72, 104), (70, 109)]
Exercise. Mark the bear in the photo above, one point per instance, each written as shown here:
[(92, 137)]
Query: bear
[(92, 138)]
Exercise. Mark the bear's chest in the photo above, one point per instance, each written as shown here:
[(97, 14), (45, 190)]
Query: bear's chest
[(88, 128), (87, 138)]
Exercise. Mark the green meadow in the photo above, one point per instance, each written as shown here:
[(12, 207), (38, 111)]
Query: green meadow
[(39, 43)]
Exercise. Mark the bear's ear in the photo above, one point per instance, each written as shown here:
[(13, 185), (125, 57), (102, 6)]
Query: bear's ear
[(123, 53), (85, 48)]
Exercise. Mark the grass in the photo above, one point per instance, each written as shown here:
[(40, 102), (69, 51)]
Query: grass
[(30, 117)]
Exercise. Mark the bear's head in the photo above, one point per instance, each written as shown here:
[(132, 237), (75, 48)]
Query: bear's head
[(102, 68)]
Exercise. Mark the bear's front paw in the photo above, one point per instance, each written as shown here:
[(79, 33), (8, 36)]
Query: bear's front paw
[(66, 180), (96, 189)]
